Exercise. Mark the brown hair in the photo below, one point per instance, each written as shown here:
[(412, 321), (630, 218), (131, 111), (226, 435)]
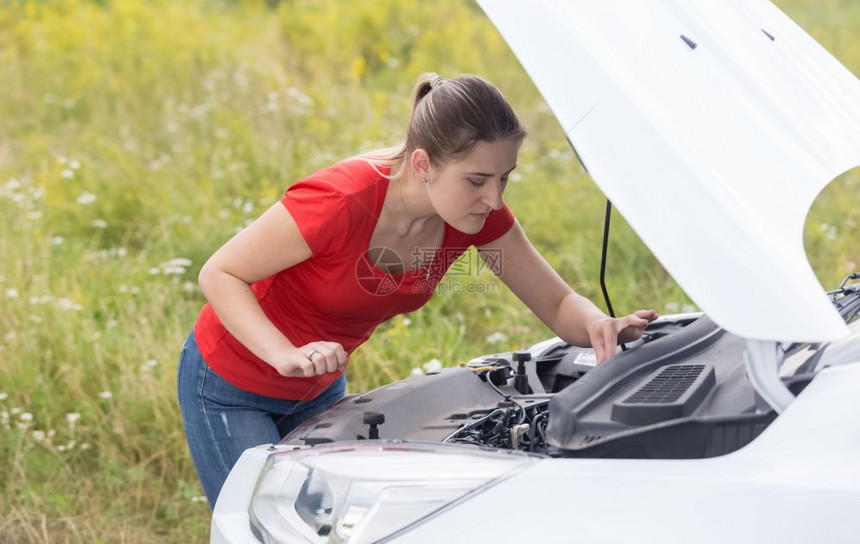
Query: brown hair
[(448, 118)]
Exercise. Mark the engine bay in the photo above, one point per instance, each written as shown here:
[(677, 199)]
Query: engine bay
[(681, 391)]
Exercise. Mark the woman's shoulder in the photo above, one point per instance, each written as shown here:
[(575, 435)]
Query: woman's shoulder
[(352, 189), (352, 176)]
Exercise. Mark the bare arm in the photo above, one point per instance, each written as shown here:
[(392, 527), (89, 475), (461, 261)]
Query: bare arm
[(268, 245), (574, 318)]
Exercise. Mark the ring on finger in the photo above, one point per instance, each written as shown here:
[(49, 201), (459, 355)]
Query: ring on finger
[(311, 354)]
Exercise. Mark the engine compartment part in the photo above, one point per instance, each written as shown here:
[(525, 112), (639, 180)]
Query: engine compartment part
[(671, 392), (512, 426), (681, 391), (501, 400)]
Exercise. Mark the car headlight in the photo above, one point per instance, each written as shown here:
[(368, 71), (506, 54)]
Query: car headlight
[(359, 492)]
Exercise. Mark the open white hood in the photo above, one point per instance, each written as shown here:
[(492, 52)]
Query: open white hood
[(711, 125)]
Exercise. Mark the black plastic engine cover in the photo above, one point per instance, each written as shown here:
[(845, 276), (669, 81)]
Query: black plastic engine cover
[(426, 407)]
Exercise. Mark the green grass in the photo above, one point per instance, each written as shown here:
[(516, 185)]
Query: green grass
[(135, 133)]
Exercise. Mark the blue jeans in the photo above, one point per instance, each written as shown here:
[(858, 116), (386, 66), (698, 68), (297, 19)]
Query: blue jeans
[(221, 420)]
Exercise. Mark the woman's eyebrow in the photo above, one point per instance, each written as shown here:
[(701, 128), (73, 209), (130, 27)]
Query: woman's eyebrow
[(484, 174)]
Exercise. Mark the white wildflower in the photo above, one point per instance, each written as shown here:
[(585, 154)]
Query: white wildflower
[(198, 499), (62, 160), (432, 365), (51, 433), (154, 270), (57, 240), (189, 286), (416, 372), (39, 436), (65, 304), (86, 198), (116, 252), (406, 321), (22, 426), (168, 270), (61, 447), (66, 173), (824, 227), (99, 223), (26, 416), (179, 261), (72, 417), (146, 366), (496, 338), (15, 411), (3, 396), (11, 293), (74, 165), (105, 395), (85, 446), (299, 96), (12, 184), (199, 110)]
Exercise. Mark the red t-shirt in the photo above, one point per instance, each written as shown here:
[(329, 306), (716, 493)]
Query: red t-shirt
[(337, 295)]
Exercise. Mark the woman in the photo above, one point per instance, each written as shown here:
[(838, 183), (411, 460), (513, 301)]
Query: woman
[(344, 250)]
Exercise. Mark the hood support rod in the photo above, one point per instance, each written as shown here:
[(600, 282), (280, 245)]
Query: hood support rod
[(603, 257), (603, 262)]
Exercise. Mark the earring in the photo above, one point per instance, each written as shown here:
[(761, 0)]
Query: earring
[(424, 181)]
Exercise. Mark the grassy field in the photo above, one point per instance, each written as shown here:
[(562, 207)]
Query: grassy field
[(136, 137)]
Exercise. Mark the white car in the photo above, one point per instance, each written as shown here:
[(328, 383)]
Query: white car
[(711, 125)]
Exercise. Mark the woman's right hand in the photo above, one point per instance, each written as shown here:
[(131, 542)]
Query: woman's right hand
[(313, 359)]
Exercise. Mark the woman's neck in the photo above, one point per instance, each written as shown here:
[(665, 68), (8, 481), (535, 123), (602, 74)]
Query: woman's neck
[(409, 210)]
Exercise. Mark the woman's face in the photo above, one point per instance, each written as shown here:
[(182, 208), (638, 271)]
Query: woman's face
[(465, 191)]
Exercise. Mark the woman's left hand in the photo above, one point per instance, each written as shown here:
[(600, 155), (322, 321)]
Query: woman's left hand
[(606, 333)]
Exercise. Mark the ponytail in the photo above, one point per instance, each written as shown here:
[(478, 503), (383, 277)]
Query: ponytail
[(448, 118)]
